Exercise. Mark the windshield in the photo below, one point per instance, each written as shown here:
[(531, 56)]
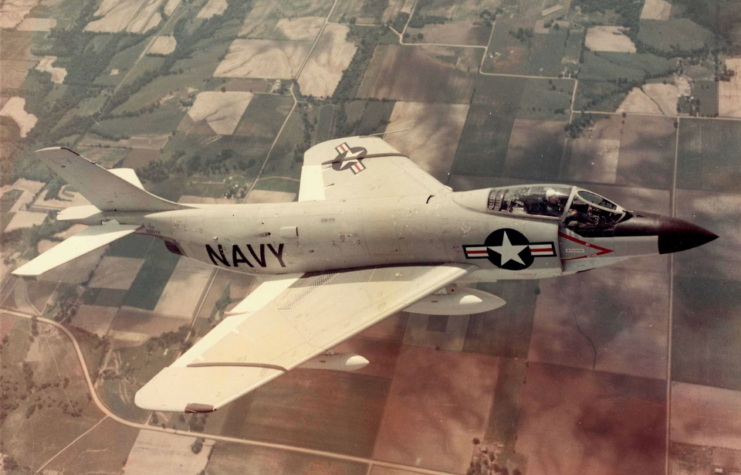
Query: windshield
[(590, 211), (533, 200)]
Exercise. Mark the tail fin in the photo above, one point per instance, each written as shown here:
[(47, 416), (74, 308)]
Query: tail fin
[(107, 190)]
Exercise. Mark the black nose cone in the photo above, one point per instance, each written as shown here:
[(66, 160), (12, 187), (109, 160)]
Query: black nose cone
[(676, 235)]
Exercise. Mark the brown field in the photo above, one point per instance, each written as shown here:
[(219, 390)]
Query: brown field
[(330, 58), (609, 38), (431, 134), (184, 289), (453, 33), (116, 273), (718, 212), (13, 73), (230, 459), (652, 99), (131, 322), (377, 470), (263, 59), (132, 16), (304, 28), (15, 108), (446, 333), (439, 402), (30, 189), (326, 410), (94, 319), (163, 45), (213, 7), (25, 219), (619, 313), (102, 450), (37, 24), (216, 111), (703, 415), (656, 10), (149, 142), (70, 199), (57, 74), (16, 45), (13, 12), (729, 92), (433, 74), (157, 452), (578, 421), (171, 6)]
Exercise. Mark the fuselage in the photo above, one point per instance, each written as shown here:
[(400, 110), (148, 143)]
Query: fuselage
[(300, 237)]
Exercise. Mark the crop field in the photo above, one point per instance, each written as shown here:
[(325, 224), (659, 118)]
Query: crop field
[(675, 34), (654, 99), (656, 10), (131, 16), (707, 93), (448, 74), (706, 350), (157, 452), (535, 150), (105, 448), (216, 112), (270, 20), (506, 331), (706, 416), (331, 56), (597, 422), (608, 38), (228, 459), (94, 318), (150, 281), (431, 136), (163, 119), (116, 273), (452, 33), (482, 149), (292, 410), (647, 152), (708, 153), (263, 59), (623, 331), (451, 401), (507, 54), (184, 289)]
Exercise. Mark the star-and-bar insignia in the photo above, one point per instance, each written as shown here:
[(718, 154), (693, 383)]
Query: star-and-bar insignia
[(354, 164), (543, 249)]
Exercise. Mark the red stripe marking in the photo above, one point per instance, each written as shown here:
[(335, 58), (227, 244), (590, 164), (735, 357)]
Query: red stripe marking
[(602, 250)]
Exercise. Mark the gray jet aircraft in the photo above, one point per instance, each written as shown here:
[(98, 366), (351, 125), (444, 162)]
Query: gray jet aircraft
[(371, 234)]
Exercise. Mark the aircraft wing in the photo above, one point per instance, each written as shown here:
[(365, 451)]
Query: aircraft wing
[(289, 320), (362, 167)]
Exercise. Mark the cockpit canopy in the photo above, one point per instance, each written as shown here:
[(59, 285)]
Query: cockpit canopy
[(578, 208)]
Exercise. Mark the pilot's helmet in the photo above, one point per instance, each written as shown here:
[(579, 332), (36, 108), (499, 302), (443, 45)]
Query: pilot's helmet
[(552, 196)]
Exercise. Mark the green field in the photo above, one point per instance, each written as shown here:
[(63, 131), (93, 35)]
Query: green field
[(134, 245), (506, 331), (605, 66), (708, 155), (152, 278), (162, 120), (676, 34), (706, 339)]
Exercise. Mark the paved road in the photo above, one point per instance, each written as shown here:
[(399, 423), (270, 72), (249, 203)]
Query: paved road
[(136, 425)]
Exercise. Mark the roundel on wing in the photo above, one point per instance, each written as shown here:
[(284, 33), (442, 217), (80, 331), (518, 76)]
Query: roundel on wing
[(509, 249), (340, 164)]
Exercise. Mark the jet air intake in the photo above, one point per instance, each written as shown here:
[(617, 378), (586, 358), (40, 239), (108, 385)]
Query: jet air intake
[(454, 300)]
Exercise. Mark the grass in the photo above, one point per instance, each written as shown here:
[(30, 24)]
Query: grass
[(162, 120), (548, 50), (708, 155), (505, 331), (122, 61), (707, 93), (604, 65), (152, 278), (706, 346), (675, 34), (7, 200)]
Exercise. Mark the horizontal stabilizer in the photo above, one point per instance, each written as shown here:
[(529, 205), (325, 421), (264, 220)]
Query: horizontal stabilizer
[(107, 190), (81, 243)]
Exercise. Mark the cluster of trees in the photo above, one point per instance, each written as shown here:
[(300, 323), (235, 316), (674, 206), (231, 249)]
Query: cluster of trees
[(523, 35), (488, 17), (419, 19), (366, 40), (373, 8), (578, 124), (399, 21), (168, 339)]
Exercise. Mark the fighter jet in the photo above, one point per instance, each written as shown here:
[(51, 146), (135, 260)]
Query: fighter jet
[(372, 234)]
